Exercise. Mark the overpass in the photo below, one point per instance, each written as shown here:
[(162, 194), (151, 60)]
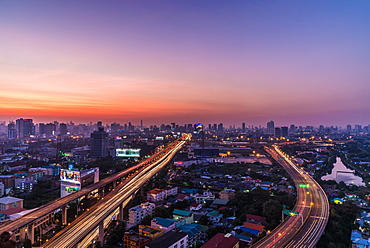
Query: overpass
[(96, 219), (312, 205), (41, 218)]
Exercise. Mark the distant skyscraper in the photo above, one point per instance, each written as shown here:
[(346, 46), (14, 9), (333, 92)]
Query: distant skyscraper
[(292, 129), (349, 128), (321, 129), (115, 127), (277, 132), (99, 124), (284, 131), (358, 128), (270, 127), (63, 129), (99, 144), (12, 131), (243, 127), (220, 127), (25, 128)]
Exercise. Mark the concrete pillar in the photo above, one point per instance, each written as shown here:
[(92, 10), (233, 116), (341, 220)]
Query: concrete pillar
[(120, 214), (30, 233), (101, 233), (64, 215), (22, 234)]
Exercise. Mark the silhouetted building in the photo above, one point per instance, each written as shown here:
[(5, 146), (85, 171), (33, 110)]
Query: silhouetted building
[(220, 127), (321, 129), (277, 132), (99, 144), (63, 129), (349, 128), (12, 131), (25, 128), (270, 127), (284, 131)]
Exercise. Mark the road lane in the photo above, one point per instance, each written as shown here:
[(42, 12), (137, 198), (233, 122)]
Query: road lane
[(311, 203)]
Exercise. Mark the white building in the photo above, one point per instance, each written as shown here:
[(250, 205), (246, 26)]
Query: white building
[(201, 198), (138, 213), (172, 191), (155, 195)]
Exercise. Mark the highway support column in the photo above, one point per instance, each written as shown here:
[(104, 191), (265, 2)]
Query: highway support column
[(120, 213), (64, 215), (101, 233), (31, 233)]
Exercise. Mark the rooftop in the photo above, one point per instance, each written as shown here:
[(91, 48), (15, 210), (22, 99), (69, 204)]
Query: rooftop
[(155, 191), (181, 212), (164, 222), (253, 226), (255, 217), (190, 229), (221, 240), (167, 239), (9, 199)]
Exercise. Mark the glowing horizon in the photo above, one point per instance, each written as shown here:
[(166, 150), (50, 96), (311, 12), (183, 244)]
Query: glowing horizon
[(210, 62)]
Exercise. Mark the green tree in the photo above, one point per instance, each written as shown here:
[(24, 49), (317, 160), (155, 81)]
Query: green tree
[(272, 209)]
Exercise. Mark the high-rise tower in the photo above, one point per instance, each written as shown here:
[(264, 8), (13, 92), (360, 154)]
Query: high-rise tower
[(99, 143), (271, 127)]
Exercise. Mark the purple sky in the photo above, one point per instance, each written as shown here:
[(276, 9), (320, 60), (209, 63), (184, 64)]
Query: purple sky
[(294, 62)]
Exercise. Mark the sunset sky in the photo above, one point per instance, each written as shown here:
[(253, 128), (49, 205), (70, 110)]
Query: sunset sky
[(294, 62)]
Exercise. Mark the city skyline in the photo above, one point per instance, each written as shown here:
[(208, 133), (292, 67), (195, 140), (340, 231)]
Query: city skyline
[(163, 62), (267, 126)]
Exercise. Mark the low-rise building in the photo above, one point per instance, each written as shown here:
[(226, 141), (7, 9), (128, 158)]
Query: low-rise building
[(27, 186), (171, 239), (214, 216), (194, 233), (134, 240), (150, 232), (138, 213), (2, 189), (195, 206), (253, 226), (163, 224), (202, 198), (156, 195), (222, 240), (182, 214), (256, 219), (227, 194), (172, 191), (7, 180), (10, 202), (15, 166), (36, 175)]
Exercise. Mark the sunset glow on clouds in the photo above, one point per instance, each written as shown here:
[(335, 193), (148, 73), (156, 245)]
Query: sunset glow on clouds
[(246, 61)]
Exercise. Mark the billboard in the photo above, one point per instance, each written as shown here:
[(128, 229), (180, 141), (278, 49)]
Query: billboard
[(71, 189), (127, 153), (70, 176)]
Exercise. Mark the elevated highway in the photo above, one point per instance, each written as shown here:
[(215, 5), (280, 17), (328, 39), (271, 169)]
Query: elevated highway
[(74, 235), (312, 204), (24, 227)]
